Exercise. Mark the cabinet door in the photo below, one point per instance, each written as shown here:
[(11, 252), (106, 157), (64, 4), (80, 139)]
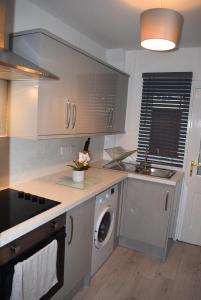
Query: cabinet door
[(104, 101), (83, 93), (78, 244), (55, 97), (147, 212), (119, 113)]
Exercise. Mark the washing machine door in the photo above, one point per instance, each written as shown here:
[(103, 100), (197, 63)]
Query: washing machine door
[(104, 227)]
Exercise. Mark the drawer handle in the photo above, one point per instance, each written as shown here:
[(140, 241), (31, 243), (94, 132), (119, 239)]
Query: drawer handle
[(166, 200), (15, 249)]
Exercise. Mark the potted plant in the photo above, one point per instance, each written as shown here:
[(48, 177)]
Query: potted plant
[(79, 167)]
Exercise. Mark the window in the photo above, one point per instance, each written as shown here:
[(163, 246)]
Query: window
[(164, 117)]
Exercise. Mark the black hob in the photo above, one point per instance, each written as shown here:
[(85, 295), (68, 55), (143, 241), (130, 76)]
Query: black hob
[(17, 206)]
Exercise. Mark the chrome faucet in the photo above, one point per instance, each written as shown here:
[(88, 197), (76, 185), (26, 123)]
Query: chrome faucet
[(146, 157), (144, 164)]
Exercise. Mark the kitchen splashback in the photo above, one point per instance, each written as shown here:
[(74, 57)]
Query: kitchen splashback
[(30, 158)]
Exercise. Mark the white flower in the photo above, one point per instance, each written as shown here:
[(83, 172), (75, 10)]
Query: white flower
[(83, 157)]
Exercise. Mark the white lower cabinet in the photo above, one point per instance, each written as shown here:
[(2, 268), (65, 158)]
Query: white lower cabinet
[(148, 217)]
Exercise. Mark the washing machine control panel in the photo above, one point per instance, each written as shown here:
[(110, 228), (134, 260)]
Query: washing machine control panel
[(105, 196)]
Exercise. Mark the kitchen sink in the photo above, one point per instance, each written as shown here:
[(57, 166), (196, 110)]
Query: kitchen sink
[(156, 172), (150, 171)]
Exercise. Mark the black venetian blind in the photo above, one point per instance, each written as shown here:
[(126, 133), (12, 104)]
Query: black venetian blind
[(164, 117)]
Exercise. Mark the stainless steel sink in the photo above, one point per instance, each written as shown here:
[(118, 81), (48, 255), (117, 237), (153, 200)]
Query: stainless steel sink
[(156, 172), (150, 171)]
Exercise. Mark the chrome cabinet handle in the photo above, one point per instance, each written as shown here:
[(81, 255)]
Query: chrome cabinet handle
[(111, 117), (166, 200), (15, 249), (68, 114), (74, 115), (72, 228), (108, 118)]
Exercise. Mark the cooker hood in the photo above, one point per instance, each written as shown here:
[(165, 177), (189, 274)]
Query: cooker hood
[(13, 66)]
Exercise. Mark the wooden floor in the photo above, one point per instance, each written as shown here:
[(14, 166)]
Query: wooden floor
[(130, 275)]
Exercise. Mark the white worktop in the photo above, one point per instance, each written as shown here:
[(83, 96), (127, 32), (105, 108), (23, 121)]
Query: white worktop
[(69, 197), (47, 187), (171, 181)]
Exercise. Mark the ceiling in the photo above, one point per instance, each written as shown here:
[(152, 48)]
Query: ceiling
[(115, 23)]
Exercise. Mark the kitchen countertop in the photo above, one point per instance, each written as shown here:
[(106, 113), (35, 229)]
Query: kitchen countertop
[(47, 187), (171, 181), (69, 197)]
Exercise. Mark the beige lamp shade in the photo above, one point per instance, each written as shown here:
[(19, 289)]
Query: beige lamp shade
[(160, 29)]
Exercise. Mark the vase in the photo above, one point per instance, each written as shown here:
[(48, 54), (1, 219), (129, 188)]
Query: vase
[(78, 176)]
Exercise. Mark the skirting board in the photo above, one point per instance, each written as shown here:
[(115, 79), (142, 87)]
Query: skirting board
[(146, 248)]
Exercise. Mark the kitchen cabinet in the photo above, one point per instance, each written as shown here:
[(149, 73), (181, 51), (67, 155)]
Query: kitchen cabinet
[(104, 97), (78, 250), (148, 216), (89, 98), (72, 107), (110, 94), (55, 98), (119, 111)]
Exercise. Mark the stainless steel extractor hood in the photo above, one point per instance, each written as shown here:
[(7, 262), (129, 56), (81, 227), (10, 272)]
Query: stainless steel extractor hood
[(13, 66)]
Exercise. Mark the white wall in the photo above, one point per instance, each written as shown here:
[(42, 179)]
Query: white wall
[(29, 158), (4, 161), (117, 57), (4, 142), (3, 107), (29, 16)]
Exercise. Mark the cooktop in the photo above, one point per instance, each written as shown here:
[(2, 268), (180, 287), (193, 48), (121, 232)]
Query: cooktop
[(18, 206)]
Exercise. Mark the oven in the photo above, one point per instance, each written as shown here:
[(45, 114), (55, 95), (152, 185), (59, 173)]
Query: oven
[(29, 244)]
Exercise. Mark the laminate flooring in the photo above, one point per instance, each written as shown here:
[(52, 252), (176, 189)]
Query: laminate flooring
[(131, 275)]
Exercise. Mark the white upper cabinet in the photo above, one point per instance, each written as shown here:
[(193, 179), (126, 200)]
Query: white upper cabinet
[(55, 96), (89, 97), (83, 119), (104, 98)]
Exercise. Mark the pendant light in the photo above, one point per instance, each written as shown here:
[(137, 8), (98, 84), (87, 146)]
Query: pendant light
[(160, 29)]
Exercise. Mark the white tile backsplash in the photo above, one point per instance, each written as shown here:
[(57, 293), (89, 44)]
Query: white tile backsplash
[(33, 158)]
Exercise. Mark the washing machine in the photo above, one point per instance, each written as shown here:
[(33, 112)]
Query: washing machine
[(104, 227)]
